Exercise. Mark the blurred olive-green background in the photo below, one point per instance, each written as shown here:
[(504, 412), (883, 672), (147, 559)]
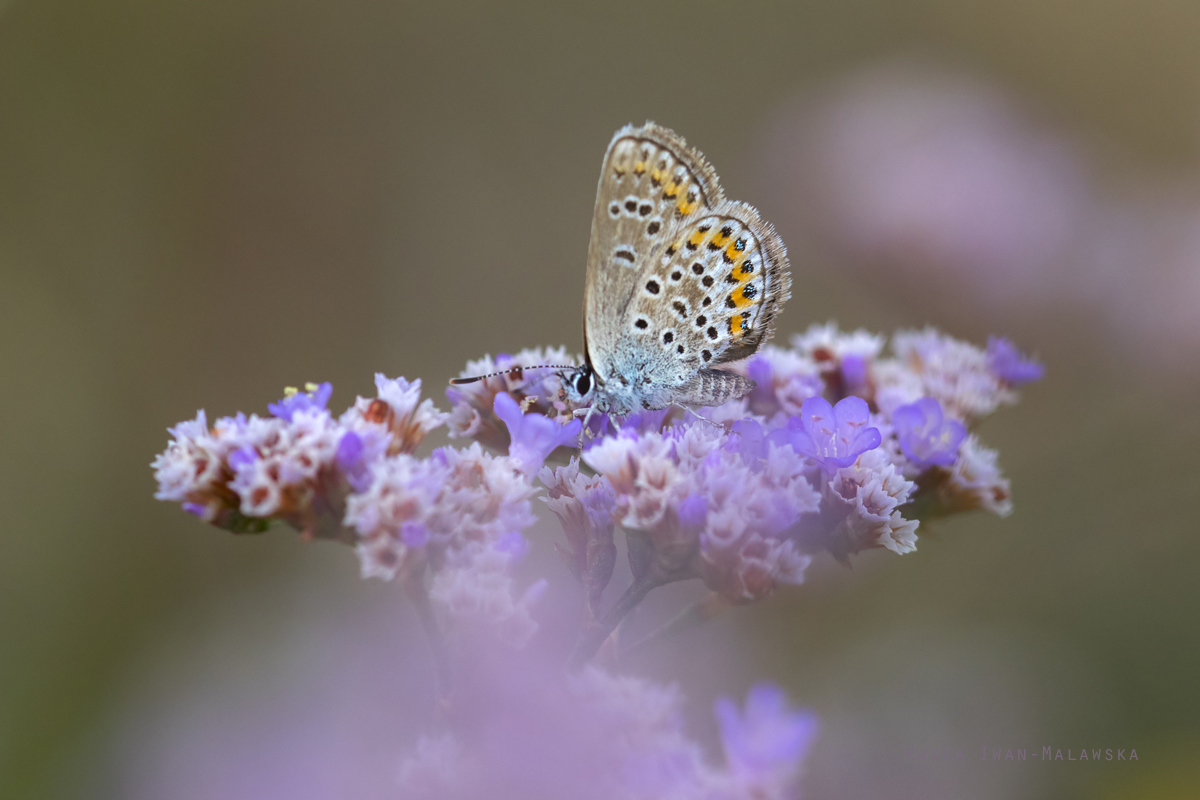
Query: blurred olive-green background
[(203, 202)]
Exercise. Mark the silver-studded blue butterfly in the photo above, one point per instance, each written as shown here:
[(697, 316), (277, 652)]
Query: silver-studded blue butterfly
[(680, 280)]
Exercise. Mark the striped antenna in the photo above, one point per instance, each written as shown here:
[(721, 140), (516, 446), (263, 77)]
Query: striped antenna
[(461, 381)]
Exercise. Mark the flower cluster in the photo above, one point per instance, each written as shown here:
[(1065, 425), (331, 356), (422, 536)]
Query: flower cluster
[(457, 515), (450, 524), (839, 448), (597, 735), (296, 465), (705, 503), (925, 398), (472, 405)]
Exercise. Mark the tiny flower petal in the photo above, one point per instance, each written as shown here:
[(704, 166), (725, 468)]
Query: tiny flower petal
[(1008, 364), (350, 450), (300, 401), (413, 534), (692, 511)]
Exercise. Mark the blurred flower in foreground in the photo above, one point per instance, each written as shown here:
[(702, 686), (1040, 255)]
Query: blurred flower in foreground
[(764, 744), (935, 173), (946, 183), (1008, 364), (595, 735)]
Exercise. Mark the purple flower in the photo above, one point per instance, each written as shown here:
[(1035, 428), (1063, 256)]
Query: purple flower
[(1008, 364), (414, 534), (314, 396), (600, 426), (349, 457), (750, 442), (854, 371), (833, 436), (766, 743), (644, 422), (533, 436), (196, 508), (585, 505), (242, 457), (762, 396), (692, 511), (783, 380), (926, 436), (472, 406), (514, 544)]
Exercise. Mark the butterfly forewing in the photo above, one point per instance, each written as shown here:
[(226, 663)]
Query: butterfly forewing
[(651, 185)]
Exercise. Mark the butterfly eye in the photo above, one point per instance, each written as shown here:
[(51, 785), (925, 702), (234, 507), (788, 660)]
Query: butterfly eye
[(583, 383)]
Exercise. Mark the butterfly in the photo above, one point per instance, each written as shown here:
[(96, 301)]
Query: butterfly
[(680, 280)]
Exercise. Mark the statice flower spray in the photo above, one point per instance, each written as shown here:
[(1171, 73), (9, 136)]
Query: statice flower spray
[(847, 442)]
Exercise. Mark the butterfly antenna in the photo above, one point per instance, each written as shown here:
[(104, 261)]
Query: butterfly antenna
[(461, 381)]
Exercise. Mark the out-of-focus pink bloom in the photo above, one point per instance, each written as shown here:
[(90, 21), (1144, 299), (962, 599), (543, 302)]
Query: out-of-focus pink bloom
[(946, 184), (937, 174), (457, 515), (532, 733), (766, 743)]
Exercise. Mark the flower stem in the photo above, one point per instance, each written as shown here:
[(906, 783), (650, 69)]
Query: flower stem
[(414, 587), (700, 611), (593, 636)]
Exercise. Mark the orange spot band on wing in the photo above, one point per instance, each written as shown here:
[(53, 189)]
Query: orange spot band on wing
[(737, 324), (740, 273), (739, 298), (696, 239)]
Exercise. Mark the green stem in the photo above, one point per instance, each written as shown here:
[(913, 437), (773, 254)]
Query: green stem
[(414, 587), (700, 611), (593, 636)]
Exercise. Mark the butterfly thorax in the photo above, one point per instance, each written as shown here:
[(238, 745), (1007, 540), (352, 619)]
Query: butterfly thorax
[(623, 395), (632, 390)]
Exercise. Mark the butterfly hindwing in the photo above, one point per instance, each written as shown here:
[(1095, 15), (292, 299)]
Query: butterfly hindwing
[(720, 282)]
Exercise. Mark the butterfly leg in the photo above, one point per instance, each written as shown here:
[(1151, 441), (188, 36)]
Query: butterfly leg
[(586, 413), (698, 416)]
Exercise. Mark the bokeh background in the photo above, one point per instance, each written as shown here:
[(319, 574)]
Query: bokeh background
[(203, 202)]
